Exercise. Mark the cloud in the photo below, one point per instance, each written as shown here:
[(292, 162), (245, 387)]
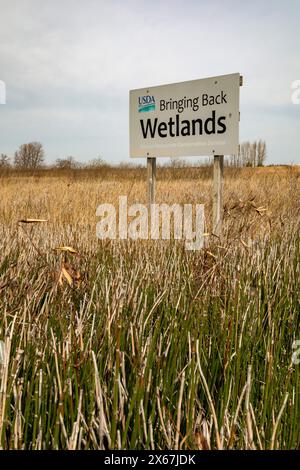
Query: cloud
[(69, 66)]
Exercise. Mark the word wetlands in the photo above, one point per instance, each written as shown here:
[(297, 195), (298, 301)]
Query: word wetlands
[(177, 127), (181, 222)]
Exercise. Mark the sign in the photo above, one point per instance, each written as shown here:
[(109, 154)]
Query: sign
[(198, 117)]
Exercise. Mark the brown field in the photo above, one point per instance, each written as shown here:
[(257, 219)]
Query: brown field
[(142, 344), (68, 200)]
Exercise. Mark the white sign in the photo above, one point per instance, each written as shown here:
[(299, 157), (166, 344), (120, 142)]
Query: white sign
[(199, 117)]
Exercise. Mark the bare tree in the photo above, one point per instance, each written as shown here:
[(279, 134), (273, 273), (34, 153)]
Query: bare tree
[(261, 152), (29, 156), (243, 157), (250, 154), (253, 154), (68, 163), (96, 163), (4, 161)]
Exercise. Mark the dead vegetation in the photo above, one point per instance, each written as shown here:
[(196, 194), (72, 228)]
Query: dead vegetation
[(122, 344)]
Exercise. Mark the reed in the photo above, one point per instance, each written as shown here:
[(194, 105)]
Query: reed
[(142, 344)]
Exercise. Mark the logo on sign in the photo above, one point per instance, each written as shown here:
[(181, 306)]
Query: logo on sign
[(146, 103)]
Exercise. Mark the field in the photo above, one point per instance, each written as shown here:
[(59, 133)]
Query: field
[(143, 344)]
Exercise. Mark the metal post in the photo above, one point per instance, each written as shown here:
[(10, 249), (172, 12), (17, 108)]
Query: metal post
[(218, 194), (151, 177)]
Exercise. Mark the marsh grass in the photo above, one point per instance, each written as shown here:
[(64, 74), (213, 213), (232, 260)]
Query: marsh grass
[(144, 345)]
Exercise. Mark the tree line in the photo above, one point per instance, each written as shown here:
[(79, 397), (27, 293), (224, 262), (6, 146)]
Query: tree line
[(250, 154), (31, 156)]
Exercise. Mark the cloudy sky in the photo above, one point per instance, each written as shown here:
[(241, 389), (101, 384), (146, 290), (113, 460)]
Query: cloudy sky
[(68, 66)]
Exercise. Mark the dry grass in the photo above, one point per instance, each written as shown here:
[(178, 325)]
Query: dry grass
[(143, 344)]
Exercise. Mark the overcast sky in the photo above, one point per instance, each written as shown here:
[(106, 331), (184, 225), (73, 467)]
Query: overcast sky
[(68, 66)]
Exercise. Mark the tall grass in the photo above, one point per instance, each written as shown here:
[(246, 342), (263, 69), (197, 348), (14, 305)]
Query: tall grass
[(146, 345)]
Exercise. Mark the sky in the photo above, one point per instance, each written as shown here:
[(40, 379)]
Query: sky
[(68, 66)]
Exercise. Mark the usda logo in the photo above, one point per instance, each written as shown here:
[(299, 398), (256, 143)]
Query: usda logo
[(146, 103)]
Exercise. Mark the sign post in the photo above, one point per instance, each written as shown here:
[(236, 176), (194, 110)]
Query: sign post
[(151, 177), (218, 194)]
